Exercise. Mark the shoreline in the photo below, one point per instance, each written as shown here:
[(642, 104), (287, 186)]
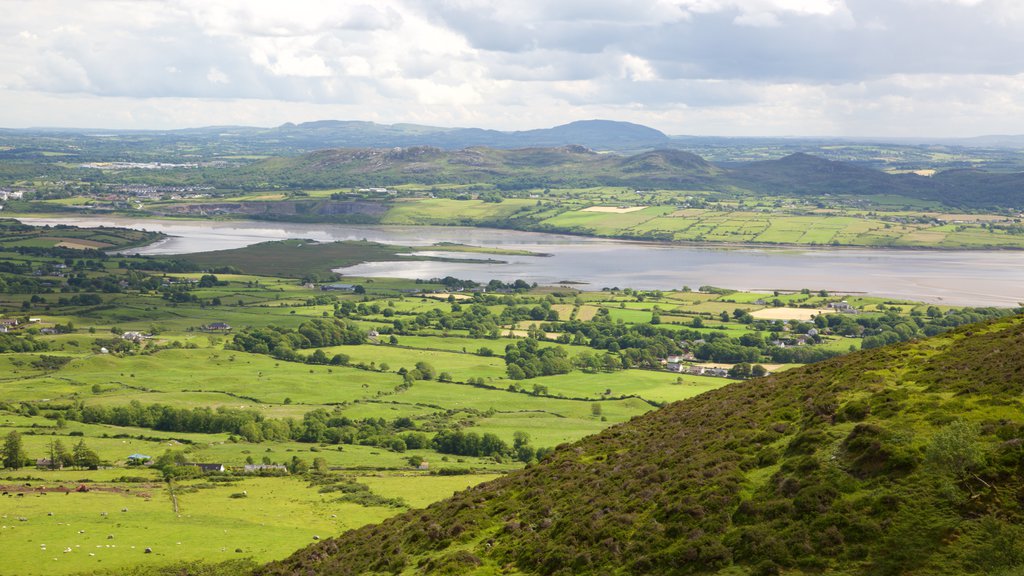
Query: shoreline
[(690, 243)]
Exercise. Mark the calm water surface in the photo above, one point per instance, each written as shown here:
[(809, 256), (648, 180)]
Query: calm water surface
[(976, 278)]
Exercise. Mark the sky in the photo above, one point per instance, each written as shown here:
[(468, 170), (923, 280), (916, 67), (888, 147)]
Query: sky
[(896, 68)]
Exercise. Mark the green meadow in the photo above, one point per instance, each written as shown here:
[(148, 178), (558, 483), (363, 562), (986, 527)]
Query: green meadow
[(375, 401)]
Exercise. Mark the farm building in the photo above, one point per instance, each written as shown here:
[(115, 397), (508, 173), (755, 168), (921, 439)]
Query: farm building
[(208, 468), (256, 468), (217, 326), (338, 287)]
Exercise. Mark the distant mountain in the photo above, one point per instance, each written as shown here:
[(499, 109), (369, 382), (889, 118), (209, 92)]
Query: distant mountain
[(993, 141), (572, 165), (900, 460), (596, 134), (296, 138)]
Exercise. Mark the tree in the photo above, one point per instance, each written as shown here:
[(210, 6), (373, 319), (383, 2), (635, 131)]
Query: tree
[(427, 371), (595, 409), (13, 453), (515, 372), (954, 450), (298, 466), (84, 457), (758, 371), (59, 455), (521, 446), (740, 370)]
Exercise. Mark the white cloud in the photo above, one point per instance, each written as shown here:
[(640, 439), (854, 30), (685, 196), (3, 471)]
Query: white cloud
[(216, 76), (685, 66)]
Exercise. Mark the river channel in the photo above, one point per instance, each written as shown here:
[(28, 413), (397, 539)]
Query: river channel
[(972, 278)]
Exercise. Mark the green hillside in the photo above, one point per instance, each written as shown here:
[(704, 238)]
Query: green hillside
[(899, 460), (577, 166)]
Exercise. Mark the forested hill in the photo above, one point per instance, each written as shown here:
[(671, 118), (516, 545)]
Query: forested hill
[(578, 166), (899, 460)]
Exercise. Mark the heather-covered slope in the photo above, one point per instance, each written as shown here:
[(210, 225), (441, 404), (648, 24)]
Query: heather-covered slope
[(900, 460)]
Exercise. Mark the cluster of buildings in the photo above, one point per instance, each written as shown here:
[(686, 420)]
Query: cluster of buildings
[(683, 364), (156, 192), (12, 324), (212, 467), (137, 165)]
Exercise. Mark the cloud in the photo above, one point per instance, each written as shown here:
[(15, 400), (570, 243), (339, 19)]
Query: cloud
[(712, 66)]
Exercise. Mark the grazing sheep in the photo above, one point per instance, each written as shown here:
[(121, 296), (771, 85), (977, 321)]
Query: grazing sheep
[(148, 551)]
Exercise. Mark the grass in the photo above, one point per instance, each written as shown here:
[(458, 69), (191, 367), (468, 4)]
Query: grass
[(108, 530), (655, 386), (783, 226), (202, 373), (444, 211)]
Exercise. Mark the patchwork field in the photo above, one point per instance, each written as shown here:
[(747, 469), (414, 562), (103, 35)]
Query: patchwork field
[(363, 402)]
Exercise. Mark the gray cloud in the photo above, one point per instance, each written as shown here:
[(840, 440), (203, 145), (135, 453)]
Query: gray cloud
[(716, 66)]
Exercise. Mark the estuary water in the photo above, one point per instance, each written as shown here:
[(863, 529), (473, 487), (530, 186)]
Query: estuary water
[(971, 278)]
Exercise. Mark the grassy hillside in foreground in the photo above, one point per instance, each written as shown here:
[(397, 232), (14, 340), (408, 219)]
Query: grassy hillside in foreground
[(899, 460)]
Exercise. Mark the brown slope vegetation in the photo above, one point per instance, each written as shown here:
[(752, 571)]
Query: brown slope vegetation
[(900, 460)]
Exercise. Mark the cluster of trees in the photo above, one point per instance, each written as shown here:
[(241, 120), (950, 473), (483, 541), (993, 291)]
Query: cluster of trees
[(463, 443), (282, 342), (527, 359), (477, 319), (453, 283), (641, 345), (166, 265), (14, 455), (317, 426), (20, 343), (169, 418), (892, 327)]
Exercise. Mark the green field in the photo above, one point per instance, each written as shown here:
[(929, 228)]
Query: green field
[(397, 373)]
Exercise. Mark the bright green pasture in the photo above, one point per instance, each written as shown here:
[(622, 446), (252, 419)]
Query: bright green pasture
[(630, 316), (445, 211), (240, 373), (607, 223), (106, 530), (420, 490), (653, 385), (545, 430), (460, 396), (461, 366)]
